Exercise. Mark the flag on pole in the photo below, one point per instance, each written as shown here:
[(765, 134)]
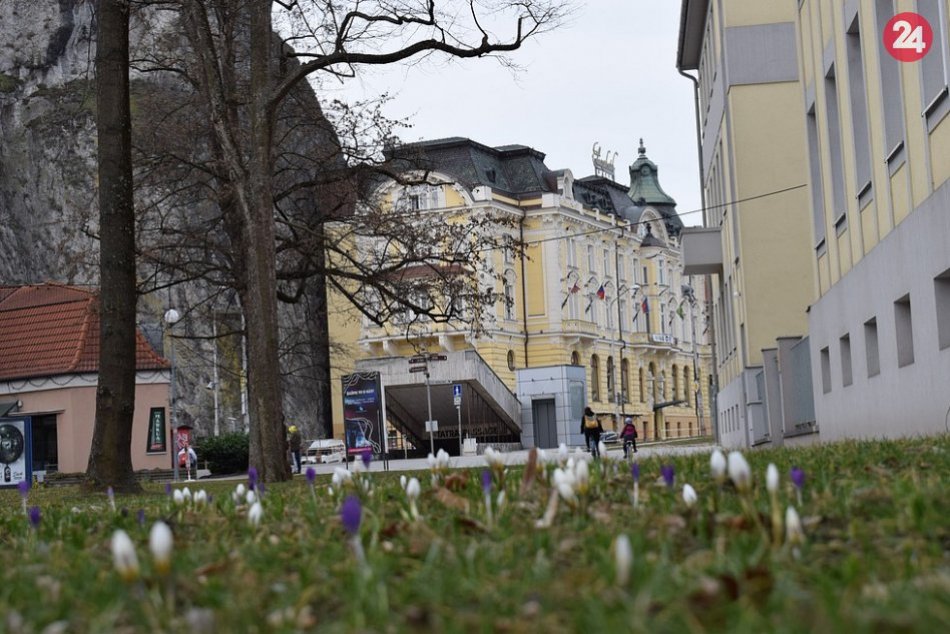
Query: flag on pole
[(645, 306), (679, 311), (570, 292), (601, 293), (636, 314)]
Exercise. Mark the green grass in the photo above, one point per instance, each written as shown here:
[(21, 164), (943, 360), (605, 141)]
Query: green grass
[(876, 559)]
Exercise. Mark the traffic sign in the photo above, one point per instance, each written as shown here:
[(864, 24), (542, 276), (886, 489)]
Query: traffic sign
[(432, 425), (457, 400), (457, 390), (420, 368)]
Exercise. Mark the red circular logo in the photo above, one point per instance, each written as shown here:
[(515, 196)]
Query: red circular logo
[(908, 37)]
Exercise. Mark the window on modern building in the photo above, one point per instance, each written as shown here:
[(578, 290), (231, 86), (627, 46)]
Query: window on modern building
[(825, 370), (892, 96), (642, 385), (871, 349), (625, 380), (933, 66), (611, 386), (594, 378), (834, 144), (511, 360), (942, 297), (844, 346), (859, 107), (814, 168), (904, 330)]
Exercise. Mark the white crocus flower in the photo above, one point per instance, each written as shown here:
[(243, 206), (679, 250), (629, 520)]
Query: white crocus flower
[(564, 482), (581, 476), (562, 453), (123, 556), (254, 515), (178, 497), (413, 488), (771, 478), (431, 459), (201, 498), (402, 482), (500, 500), (794, 534), (689, 496), (160, 544), (250, 498), (739, 471), (601, 448), (186, 493), (340, 477), (240, 490), (623, 559), (717, 466)]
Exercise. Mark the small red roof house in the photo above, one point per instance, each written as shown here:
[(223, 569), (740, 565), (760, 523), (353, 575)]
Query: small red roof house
[(49, 362)]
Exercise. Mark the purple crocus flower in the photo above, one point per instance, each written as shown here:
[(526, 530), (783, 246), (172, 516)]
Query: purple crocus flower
[(24, 488), (350, 514), (367, 458), (311, 476), (486, 481), (635, 471), (251, 478), (168, 489), (35, 516), (140, 517), (669, 475), (798, 477)]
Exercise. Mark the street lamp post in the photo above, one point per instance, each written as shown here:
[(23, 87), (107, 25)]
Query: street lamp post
[(171, 318), (430, 424)]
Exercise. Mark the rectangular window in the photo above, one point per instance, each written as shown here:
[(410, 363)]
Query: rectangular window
[(871, 347), (825, 371), (157, 435), (942, 297), (817, 186), (859, 108), (834, 143), (845, 349), (933, 66), (891, 92), (590, 259), (904, 330), (571, 253)]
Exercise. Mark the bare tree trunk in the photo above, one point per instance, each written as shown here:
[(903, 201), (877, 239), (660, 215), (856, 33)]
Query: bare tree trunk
[(110, 457)]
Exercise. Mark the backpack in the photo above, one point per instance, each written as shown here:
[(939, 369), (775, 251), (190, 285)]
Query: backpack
[(590, 422)]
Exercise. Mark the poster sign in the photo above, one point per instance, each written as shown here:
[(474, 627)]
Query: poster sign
[(362, 413), (156, 431), (16, 444)]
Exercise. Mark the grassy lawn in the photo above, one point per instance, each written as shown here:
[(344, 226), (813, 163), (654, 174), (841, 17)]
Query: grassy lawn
[(875, 556)]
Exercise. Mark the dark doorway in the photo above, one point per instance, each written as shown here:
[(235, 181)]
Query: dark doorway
[(45, 450), (545, 423)]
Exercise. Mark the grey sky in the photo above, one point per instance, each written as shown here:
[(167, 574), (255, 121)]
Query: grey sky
[(607, 76)]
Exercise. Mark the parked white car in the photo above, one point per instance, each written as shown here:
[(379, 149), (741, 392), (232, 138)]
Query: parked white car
[(324, 451)]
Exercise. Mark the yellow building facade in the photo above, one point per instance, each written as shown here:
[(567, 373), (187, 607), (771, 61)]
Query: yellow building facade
[(756, 244), (591, 291), (878, 145)]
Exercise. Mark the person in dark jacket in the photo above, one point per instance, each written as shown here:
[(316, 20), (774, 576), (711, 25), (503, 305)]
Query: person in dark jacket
[(592, 429), (629, 436)]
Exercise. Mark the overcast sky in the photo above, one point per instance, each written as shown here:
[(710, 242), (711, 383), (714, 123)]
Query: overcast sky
[(608, 76)]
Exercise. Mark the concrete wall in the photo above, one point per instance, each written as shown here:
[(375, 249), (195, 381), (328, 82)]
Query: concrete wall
[(898, 401)]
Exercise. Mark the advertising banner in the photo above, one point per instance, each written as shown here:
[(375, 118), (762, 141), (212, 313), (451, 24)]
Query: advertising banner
[(16, 455), (362, 413)]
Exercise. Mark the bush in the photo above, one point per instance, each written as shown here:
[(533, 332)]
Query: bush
[(225, 454)]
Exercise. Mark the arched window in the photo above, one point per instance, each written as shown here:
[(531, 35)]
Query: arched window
[(594, 378), (676, 382), (625, 380), (575, 358), (663, 387), (509, 294), (611, 387), (653, 383), (679, 429), (511, 359), (643, 386)]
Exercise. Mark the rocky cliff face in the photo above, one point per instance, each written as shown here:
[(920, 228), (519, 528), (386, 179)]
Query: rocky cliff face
[(48, 198)]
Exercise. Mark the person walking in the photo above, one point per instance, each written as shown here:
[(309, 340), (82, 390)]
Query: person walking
[(294, 440), (592, 429), (629, 436)]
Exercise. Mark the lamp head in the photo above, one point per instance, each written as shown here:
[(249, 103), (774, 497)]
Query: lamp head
[(172, 316)]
